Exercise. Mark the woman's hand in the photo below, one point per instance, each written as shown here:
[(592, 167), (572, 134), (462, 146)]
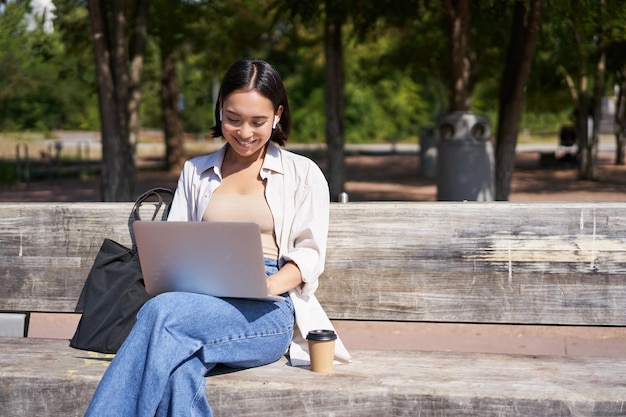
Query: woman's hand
[(287, 278)]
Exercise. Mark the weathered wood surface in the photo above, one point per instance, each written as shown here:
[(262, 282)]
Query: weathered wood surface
[(47, 378), (47, 250), (530, 263), (474, 262), (535, 263)]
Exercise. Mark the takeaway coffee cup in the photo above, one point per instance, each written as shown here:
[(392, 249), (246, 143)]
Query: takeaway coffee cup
[(322, 349)]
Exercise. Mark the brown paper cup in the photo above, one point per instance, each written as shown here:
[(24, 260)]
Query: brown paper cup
[(322, 349)]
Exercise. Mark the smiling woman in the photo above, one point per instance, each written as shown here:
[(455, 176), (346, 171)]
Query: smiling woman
[(254, 76), (248, 122), (179, 337)]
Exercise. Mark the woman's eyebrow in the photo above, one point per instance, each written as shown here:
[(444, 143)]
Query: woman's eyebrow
[(234, 113)]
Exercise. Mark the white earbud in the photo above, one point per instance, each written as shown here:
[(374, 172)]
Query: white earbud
[(220, 115), (276, 119)]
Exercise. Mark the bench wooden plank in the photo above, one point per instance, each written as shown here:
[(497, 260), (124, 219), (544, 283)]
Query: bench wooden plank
[(47, 249), (47, 378), (472, 262), (532, 263), (526, 263)]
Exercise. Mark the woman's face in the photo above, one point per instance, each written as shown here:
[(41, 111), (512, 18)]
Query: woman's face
[(247, 121)]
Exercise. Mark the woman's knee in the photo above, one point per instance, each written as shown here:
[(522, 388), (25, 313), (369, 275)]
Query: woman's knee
[(159, 305)]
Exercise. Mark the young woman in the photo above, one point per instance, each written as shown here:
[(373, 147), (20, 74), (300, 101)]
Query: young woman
[(179, 337)]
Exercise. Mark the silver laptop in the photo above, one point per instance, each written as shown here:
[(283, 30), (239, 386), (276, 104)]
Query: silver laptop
[(223, 259)]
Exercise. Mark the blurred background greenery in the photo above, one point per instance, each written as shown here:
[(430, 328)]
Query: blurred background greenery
[(395, 65)]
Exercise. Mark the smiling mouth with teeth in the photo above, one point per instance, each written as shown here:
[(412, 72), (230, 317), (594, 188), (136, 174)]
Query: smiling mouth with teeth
[(241, 142)]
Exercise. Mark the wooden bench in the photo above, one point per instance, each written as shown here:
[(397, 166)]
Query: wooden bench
[(526, 264)]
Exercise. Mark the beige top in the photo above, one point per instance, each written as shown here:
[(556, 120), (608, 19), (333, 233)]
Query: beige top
[(244, 208)]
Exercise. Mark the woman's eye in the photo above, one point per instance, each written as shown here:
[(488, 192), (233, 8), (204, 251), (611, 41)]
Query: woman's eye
[(239, 122)]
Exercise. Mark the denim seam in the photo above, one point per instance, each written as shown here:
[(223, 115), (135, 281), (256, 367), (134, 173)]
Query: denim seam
[(251, 336), (200, 395)]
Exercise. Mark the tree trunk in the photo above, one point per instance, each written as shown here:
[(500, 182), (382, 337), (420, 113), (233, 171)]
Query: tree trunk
[(111, 57), (172, 125), (589, 156), (120, 62), (125, 177), (136, 70), (588, 163), (334, 97), (460, 68), (111, 132), (582, 123), (520, 53), (620, 123)]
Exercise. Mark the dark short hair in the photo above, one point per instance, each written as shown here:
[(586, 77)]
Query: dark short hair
[(257, 75)]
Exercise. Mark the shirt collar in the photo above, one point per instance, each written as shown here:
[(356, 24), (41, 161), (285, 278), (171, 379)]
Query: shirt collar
[(272, 161), (213, 161)]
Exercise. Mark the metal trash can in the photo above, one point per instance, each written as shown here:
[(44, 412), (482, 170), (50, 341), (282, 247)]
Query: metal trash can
[(465, 158), (428, 152)]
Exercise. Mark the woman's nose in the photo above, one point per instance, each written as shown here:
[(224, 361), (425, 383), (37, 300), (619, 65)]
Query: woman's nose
[(246, 130)]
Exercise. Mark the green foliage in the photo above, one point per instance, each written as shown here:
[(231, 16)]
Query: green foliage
[(545, 122), (198, 95), (42, 87), (574, 32), (383, 103), (308, 120), (396, 57), (150, 108)]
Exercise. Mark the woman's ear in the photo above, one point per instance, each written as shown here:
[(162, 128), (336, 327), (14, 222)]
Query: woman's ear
[(279, 112)]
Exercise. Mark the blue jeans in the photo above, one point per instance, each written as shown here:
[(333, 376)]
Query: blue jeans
[(178, 338)]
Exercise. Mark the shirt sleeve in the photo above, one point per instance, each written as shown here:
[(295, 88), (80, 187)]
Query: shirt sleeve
[(309, 231), (181, 207)]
